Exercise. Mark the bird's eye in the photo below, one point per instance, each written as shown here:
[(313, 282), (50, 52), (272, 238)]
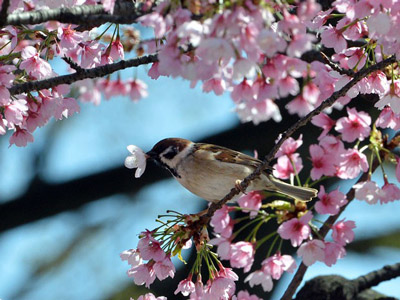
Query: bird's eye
[(170, 153)]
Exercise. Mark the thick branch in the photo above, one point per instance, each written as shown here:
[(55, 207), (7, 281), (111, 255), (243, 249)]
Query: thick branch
[(323, 231), (303, 121), (88, 15), (374, 278), (85, 73)]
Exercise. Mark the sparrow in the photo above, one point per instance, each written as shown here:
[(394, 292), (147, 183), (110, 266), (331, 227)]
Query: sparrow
[(210, 171)]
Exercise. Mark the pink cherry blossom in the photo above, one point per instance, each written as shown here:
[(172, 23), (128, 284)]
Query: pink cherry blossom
[(16, 111), (243, 91), (311, 252), (137, 90), (355, 126), (21, 138), (259, 277), (222, 288), (333, 38), (322, 163), (117, 50), (295, 229), (156, 21), (153, 71), (391, 98), (330, 203), (334, 147), (69, 38), (368, 191), (388, 119), (290, 146), (277, 264), (342, 232), (132, 256), (353, 162), (35, 66), (283, 169), (242, 255), (164, 268), (224, 246), (389, 193), (150, 296), (244, 295), (326, 123), (222, 222), (185, 287), (333, 252), (150, 248), (90, 54), (143, 274), (251, 202), (218, 85)]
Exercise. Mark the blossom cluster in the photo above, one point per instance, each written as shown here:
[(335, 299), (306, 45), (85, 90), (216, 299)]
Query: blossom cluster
[(256, 51), (26, 53)]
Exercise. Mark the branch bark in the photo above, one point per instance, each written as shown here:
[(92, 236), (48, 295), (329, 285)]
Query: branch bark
[(89, 15), (83, 74)]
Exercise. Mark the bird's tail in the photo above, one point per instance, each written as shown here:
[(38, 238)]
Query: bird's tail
[(296, 192)]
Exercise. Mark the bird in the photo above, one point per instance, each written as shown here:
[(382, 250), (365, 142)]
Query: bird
[(211, 171)]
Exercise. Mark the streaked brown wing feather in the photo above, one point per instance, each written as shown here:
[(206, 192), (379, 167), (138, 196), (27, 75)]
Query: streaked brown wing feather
[(227, 155)]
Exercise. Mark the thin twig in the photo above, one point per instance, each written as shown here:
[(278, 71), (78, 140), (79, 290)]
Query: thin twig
[(73, 64), (336, 67), (85, 73)]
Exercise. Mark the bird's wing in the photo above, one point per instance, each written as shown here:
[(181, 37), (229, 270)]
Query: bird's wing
[(227, 156)]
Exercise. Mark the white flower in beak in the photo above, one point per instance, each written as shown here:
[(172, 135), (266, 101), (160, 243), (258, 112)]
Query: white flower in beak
[(136, 160)]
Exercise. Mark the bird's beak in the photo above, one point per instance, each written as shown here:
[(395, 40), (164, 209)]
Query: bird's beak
[(151, 155)]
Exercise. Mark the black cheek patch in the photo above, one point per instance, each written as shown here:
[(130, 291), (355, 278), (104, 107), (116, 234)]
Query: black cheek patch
[(171, 153)]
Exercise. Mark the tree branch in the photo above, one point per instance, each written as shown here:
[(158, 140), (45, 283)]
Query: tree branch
[(303, 121), (3, 13), (83, 74), (374, 278), (89, 15), (323, 231)]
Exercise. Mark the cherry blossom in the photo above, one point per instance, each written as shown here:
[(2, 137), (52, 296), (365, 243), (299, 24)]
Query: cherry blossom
[(259, 277), (296, 230), (355, 126), (312, 251), (368, 191), (342, 232), (251, 202), (330, 203), (185, 287), (150, 296), (244, 295), (322, 164), (333, 252), (277, 264), (35, 66), (132, 256), (391, 98), (389, 193), (143, 274), (222, 222), (352, 164), (164, 268), (242, 255), (137, 159)]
